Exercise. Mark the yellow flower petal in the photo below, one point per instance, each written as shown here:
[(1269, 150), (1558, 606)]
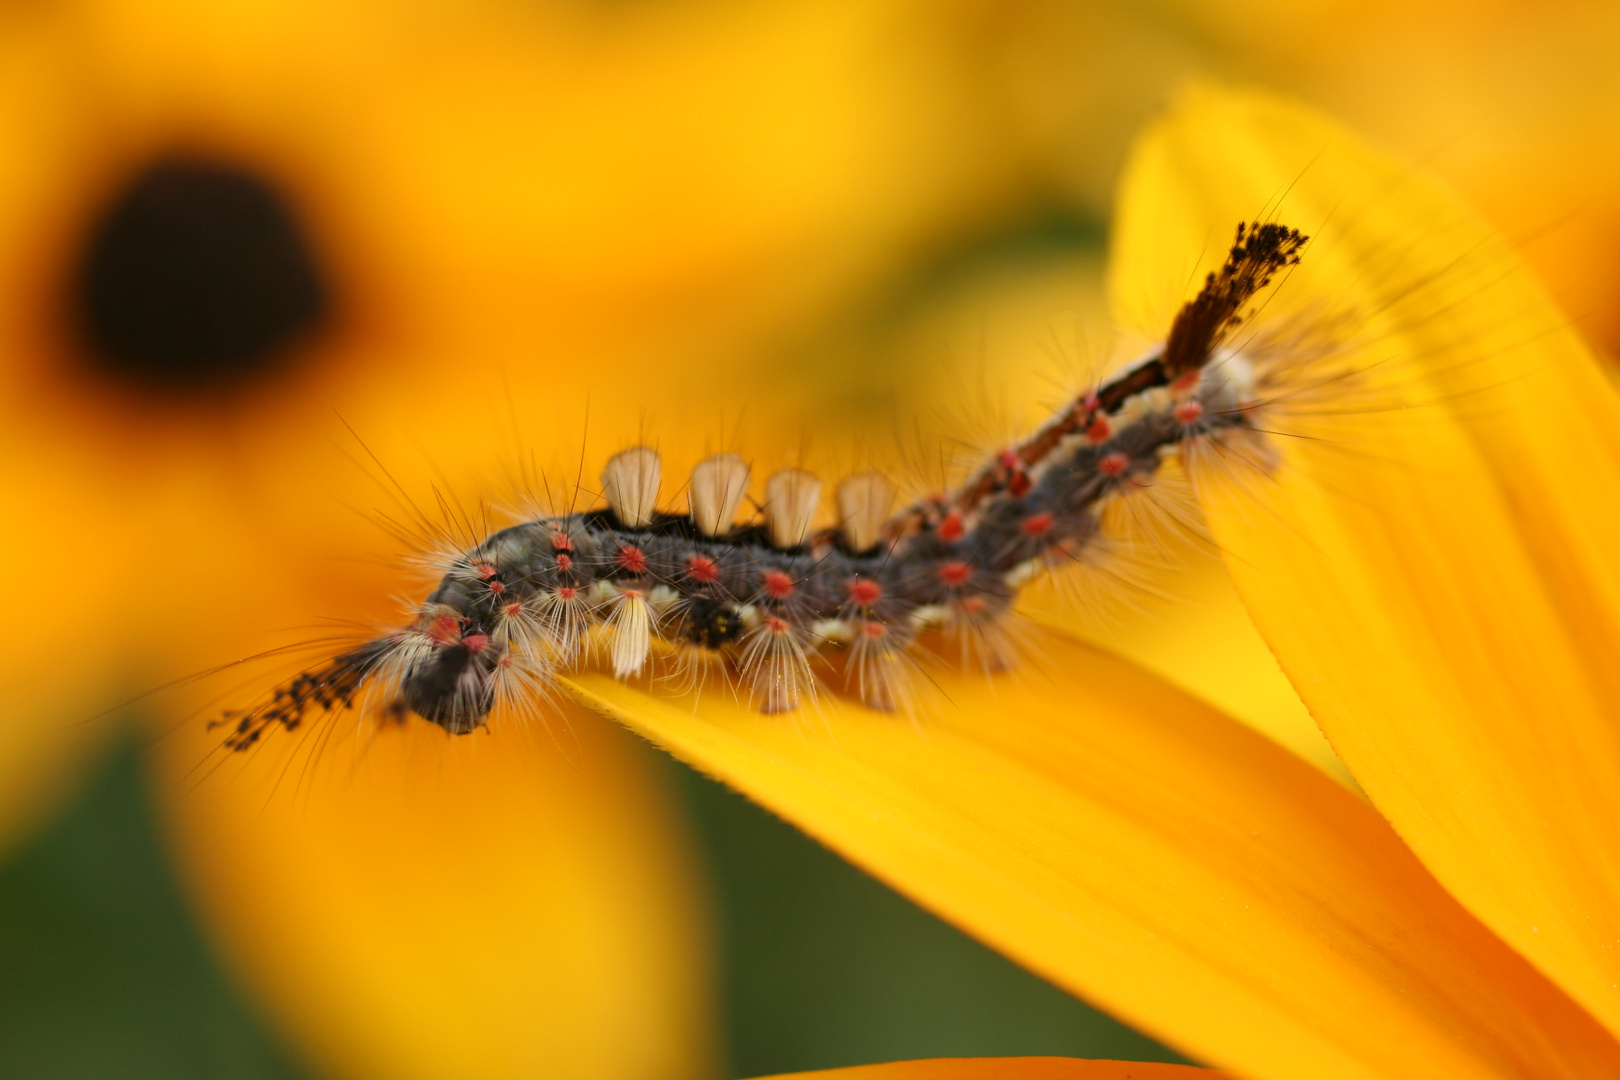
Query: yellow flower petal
[(1434, 562), (1168, 864), (1202, 641), (421, 906), (1030, 1068)]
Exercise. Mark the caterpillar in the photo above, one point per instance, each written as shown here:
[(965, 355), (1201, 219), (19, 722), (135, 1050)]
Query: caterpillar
[(765, 597)]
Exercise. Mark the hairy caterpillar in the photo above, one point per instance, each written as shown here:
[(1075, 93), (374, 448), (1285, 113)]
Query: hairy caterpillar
[(767, 596)]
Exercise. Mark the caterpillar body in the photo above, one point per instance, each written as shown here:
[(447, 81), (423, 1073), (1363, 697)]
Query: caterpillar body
[(765, 597)]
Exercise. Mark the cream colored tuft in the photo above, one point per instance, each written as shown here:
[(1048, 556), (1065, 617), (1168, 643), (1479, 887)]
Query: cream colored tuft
[(630, 482), (718, 486), (791, 499), (864, 502), (631, 625)]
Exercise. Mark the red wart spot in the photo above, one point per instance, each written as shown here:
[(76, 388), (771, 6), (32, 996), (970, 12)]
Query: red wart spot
[(1019, 483), (864, 591), (565, 562), (778, 585), (484, 570), (1188, 412), (497, 587), (1182, 383), (444, 630), (954, 573), (1100, 430), (561, 542), (871, 629), (1036, 525), (951, 527), (1113, 464), (702, 568), (476, 642), (632, 559), (566, 593), (775, 624)]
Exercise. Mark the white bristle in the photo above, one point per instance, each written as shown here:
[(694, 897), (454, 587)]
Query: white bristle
[(775, 664), (791, 499), (864, 502), (564, 617), (630, 482), (718, 486), (631, 625), (876, 670)]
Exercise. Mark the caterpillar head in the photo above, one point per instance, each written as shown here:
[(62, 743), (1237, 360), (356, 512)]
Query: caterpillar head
[(453, 684)]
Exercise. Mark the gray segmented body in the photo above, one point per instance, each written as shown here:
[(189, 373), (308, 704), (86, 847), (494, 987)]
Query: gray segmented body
[(530, 599)]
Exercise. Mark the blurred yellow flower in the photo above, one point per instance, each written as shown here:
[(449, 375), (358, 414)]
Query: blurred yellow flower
[(459, 207), (1518, 104)]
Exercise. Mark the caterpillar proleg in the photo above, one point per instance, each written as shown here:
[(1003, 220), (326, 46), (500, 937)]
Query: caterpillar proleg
[(766, 596)]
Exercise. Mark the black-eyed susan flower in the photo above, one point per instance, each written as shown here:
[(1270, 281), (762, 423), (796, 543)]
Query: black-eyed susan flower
[(507, 904), (223, 225), (1137, 846)]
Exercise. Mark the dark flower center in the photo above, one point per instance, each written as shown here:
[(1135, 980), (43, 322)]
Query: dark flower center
[(196, 276)]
